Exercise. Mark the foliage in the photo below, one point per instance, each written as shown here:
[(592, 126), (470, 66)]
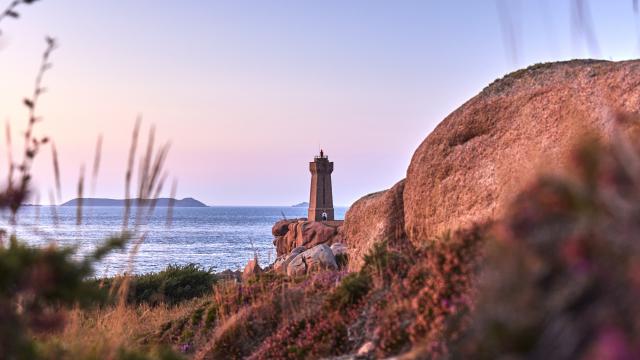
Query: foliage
[(35, 285), (351, 290), (422, 296), (172, 285), (308, 328), (342, 260), (389, 260), (312, 337)]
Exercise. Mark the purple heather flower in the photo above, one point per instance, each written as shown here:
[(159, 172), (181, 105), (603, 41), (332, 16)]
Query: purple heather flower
[(185, 348)]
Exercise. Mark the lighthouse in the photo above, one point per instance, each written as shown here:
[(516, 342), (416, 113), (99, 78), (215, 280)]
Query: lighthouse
[(321, 198)]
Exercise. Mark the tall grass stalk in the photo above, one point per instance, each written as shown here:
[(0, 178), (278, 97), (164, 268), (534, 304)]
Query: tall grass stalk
[(130, 163), (80, 201), (56, 173), (96, 165)]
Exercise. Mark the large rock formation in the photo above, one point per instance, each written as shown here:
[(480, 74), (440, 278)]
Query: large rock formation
[(339, 249), (282, 262), (290, 234), (373, 218), (477, 158), (319, 257)]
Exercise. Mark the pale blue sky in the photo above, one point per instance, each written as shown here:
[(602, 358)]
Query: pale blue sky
[(247, 90)]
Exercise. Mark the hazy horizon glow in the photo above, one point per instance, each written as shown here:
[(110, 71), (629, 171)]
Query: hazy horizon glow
[(246, 92)]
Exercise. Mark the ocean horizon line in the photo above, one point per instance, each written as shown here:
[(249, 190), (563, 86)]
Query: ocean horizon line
[(206, 206)]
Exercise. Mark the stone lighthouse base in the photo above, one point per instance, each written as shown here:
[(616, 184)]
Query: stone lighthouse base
[(293, 233)]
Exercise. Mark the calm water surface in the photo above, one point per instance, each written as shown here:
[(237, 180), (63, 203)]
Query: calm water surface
[(215, 237)]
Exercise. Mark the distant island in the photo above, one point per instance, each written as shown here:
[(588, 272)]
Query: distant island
[(302, 204), (160, 202)]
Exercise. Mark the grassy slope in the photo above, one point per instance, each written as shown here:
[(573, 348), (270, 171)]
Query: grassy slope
[(273, 316)]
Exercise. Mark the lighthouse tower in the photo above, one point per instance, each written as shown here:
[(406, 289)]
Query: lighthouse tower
[(321, 200)]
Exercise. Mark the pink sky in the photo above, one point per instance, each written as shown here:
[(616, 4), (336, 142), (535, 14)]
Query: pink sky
[(246, 92)]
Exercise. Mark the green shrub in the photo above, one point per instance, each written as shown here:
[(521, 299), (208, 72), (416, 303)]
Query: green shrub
[(383, 256), (342, 260), (170, 286), (351, 289), (378, 257), (210, 318), (196, 318), (187, 334), (385, 262)]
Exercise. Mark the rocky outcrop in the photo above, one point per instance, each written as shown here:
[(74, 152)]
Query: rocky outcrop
[(251, 269), (312, 233), (477, 158), (301, 265), (339, 249), (281, 263), (279, 231), (281, 227), (290, 234), (320, 257), (297, 266), (373, 218)]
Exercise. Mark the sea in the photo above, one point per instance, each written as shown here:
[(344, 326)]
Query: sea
[(217, 238)]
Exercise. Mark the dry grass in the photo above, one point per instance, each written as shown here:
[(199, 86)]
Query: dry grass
[(100, 333)]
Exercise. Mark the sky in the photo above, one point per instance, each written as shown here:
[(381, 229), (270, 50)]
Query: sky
[(247, 92)]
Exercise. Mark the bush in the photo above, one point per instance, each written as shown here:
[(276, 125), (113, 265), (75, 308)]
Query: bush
[(351, 290), (196, 317), (172, 285), (342, 260), (36, 284), (389, 261)]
